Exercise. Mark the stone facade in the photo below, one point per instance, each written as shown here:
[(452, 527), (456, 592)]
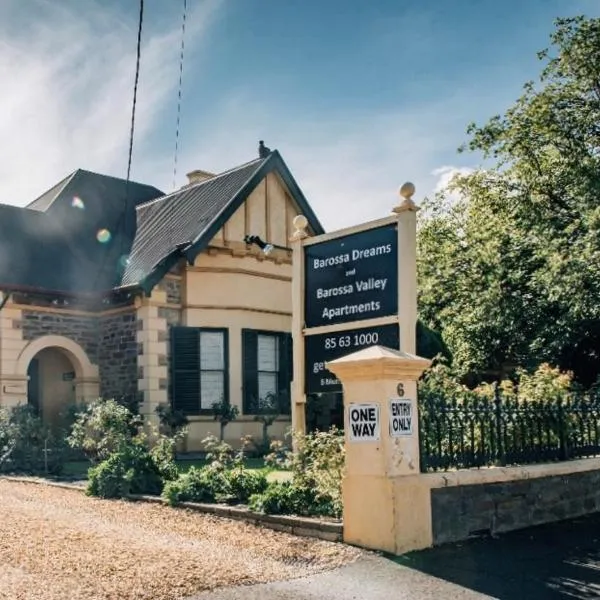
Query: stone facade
[(173, 317), (118, 355), (460, 512), (172, 287), (82, 329), (108, 340)]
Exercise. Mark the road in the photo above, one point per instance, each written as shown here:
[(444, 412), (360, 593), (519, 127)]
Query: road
[(553, 562)]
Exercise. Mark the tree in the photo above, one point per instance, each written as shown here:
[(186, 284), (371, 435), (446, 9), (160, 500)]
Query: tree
[(510, 273)]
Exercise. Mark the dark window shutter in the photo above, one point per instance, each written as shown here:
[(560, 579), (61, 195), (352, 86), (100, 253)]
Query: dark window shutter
[(250, 366), (285, 371), (185, 369)]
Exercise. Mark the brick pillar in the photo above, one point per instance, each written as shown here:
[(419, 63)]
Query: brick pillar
[(13, 386), (152, 350)]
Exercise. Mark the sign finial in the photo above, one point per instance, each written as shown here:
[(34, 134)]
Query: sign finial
[(406, 192), (300, 224)]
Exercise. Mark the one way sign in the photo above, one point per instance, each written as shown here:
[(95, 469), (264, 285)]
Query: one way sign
[(363, 422)]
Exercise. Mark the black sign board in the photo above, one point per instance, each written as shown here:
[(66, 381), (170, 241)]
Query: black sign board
[(352, 278), (323, 348)]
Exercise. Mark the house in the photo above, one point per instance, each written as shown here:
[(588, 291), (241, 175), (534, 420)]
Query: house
[(115, 289)]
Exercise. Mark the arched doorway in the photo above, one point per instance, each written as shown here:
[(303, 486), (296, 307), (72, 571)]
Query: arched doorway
[(51, 383), (59, 373)]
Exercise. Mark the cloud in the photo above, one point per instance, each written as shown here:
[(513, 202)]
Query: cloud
[(445, 175), (69, 103), (349, 164), (69, 76)]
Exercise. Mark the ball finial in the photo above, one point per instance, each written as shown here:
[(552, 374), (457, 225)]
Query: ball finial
[(407, 190), (300, 222)]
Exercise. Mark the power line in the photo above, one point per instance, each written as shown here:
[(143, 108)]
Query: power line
[(122, 217), (135, 87), (179, 94)]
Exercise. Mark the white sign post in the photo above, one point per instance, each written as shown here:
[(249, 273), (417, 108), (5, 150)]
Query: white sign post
[(401, 417), (363, 422)]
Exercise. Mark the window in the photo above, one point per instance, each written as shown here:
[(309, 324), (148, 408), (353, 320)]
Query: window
[(267, 358), (267, 365), (199, 369)]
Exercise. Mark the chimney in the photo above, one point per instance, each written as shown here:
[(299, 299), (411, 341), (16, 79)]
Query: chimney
[(198, 175), (263, 151)]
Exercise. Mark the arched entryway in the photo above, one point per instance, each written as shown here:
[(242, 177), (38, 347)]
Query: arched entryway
[(51, 383), (59, 373)]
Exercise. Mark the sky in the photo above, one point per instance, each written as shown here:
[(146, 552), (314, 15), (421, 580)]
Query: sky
[(357, 96)]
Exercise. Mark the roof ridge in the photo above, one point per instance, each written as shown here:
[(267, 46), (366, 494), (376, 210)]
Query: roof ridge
[(65, 182), (200, 183), (118, 178)]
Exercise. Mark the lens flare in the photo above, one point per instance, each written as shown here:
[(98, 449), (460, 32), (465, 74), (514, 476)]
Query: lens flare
[(124, 260), (103, 236), (77, 202)]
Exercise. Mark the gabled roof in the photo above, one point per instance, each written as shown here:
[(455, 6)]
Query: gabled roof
[(183, 223), (46, 199), (92, 233), (72, 238)]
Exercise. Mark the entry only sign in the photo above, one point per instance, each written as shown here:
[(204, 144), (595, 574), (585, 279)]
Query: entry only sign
[(363, 422), (401, 417), (352, 278), (323, 348)]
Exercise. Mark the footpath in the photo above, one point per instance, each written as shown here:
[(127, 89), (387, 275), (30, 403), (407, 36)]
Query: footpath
[(552, 562)]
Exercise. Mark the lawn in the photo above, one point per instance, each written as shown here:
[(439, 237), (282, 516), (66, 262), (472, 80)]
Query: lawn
[(78, 469), (57, 543)]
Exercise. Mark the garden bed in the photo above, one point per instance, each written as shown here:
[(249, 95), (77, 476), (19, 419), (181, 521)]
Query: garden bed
[(323, 528), (56, 542), (78, 469)]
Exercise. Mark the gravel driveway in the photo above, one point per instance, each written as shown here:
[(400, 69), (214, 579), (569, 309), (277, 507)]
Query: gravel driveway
[(57, 544)]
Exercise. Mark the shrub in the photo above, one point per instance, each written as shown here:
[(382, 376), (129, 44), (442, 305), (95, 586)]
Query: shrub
[(267, 411), (213, 484), (126, 460), (224, 413), (225, 479), (317, 464), (317, 470), (196, 485), (27, 445), (171, 421), (135, 467), (163, 455), (289, 497), (130, 470), (102, 428), (242, 484)]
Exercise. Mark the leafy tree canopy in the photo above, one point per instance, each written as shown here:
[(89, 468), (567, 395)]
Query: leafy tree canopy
[(510, 273)]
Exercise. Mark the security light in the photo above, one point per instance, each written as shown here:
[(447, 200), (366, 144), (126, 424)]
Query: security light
[(264, 246)]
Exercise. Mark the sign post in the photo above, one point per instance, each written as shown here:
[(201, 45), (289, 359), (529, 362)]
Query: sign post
[(352, 289)]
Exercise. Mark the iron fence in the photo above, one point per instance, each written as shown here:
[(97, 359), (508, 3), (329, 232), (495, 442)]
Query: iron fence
[(478, 431)]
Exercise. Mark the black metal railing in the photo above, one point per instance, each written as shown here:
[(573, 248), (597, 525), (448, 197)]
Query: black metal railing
[(475, 431)]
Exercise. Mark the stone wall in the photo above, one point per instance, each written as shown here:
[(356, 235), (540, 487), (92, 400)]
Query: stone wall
[(172, 287), (173, 317), (460, 512), (108, 340), (118, 355), (82, 329)]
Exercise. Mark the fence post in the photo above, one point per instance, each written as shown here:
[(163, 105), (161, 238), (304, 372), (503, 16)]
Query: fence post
[(563, 452), (498, 419)]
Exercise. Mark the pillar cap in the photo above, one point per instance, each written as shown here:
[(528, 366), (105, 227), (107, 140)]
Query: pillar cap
[(378, 362)]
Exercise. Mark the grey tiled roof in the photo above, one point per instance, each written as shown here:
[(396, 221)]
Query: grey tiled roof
[(182, 218), (53, 244)]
